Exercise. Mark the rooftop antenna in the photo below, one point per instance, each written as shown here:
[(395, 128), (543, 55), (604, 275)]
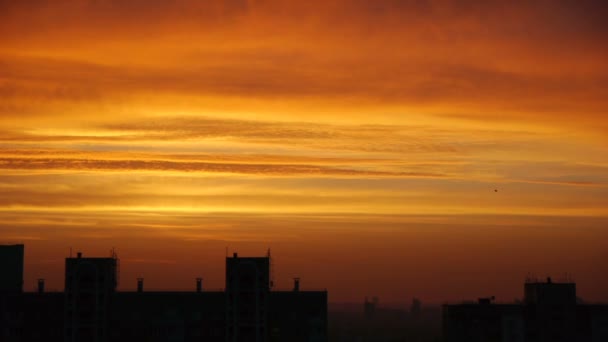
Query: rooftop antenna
[(271, 268), (532, 278)]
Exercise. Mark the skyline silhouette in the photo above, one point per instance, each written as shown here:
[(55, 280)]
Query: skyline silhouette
[(12, 253), (174, 265), (91, 307)]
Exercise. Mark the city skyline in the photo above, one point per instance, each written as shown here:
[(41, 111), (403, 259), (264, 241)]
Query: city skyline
[(134, 281), (251, 308), (399, 149), (92, 308)]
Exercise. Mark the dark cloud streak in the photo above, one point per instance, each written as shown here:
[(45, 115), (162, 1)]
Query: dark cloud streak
[(163, 165)]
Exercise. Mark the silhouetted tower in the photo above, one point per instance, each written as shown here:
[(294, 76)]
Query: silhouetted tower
[(40, 285), (416, 308), (247, 293), (550, 310), (199, 285), (89, 285), (369, 308), (11, 268), (140, 285)]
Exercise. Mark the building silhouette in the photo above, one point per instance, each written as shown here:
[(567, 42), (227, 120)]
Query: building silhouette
[(369, 307), (247, 296), (92, 309), (416, 308), (11, 268), (549, 312), (90, 283)]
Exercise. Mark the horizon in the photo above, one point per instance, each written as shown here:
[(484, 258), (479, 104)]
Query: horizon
[(402, 303), (442, 150)]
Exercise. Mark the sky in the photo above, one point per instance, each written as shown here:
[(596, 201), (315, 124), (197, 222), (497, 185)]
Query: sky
[(443, 150)]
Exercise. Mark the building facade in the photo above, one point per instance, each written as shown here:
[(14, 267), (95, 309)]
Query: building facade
[(92, 309), (11, 268), (549, 313), (247, 298)]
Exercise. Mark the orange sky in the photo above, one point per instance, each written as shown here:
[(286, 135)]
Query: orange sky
[(361, 140)]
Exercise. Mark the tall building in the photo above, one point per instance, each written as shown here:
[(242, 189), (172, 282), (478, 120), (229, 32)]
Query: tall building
[(89, 286), (94, 310), (247, 294), (26, 316), (11, 268), (548, 313)]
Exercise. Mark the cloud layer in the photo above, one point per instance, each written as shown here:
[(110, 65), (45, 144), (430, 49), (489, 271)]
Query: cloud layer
[(455, 130)]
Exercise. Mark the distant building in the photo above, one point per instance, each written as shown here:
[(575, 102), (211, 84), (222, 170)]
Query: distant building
[(91, 308), (369, 308), (416, 308), (549, 312)]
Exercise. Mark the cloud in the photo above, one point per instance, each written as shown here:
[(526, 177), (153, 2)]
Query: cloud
[(320, 125), (163, 165), (407, 82), (564, 183), (372, 140)]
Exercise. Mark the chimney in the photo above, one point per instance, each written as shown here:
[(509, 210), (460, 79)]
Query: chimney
[(40, 285), (199, 285), (296, 284), (140, 285), (79, 255)]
